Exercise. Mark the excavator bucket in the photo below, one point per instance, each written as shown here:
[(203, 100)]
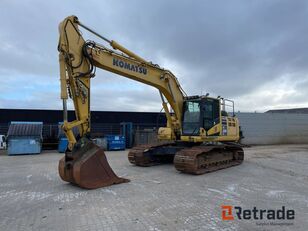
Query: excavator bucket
[(87, 167)]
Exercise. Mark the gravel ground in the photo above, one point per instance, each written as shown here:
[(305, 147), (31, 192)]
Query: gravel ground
[(33, 197)]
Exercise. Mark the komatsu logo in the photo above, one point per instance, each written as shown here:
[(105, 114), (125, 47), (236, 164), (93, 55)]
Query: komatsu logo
[(128, 66)]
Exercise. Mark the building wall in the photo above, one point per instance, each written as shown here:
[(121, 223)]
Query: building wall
[(258, 128), (274, 128), (55, 116), (102, 122)]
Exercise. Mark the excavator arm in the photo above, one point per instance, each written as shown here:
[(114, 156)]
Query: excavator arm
[(79, 58), (85, 164)]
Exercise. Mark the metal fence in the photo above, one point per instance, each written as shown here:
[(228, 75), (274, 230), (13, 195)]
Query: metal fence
[(145, 136), (274, 128), (258, 129)]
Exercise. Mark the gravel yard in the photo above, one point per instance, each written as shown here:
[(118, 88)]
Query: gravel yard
[(33, 197)]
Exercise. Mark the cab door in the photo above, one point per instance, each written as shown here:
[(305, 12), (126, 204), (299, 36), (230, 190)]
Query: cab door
[(210, 113)]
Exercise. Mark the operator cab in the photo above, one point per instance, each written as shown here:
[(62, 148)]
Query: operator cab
[(201, 112)]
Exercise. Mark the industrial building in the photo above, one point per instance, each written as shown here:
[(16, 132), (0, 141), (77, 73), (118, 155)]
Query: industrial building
[(289, 126), (102, 122)]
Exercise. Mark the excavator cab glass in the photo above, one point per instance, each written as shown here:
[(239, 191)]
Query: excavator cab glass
[(210, 113), (202, 112), (191, 117)]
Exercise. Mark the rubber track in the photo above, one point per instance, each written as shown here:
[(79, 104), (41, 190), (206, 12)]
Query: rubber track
[(204, 159), (138, 155)]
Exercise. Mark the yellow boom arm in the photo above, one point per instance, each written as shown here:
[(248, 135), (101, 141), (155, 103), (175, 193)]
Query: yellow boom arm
[(78, 60)]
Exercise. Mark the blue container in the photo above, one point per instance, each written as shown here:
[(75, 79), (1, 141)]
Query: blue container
[(62, 146), (25, 138), (24, 145), (116, 142)]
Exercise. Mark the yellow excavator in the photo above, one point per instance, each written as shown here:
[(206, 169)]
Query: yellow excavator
[(199, 137)]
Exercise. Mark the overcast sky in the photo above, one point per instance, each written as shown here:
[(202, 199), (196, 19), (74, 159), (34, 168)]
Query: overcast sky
[(254, 52)]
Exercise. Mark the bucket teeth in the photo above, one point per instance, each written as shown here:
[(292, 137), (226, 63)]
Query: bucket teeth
[(87, 167)]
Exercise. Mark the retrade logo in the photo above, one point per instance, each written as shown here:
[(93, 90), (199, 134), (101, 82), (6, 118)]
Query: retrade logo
[(255, 213), (226, 213)]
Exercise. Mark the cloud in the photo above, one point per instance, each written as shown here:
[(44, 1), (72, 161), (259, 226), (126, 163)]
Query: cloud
[(254, 52)]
